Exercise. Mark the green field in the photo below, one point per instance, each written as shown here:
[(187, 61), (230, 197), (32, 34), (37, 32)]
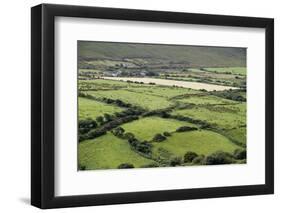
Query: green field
[(237, 134), (107, 152), (146, 128), (146, 105), (92, 109), (205, 99), (162, 91), (233, 115), (202, 142), (146, 101)]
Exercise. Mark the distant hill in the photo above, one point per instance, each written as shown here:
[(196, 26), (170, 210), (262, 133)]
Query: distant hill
[(193, 55)]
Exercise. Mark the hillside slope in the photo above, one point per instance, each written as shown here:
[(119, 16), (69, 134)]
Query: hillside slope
[(193, 55)]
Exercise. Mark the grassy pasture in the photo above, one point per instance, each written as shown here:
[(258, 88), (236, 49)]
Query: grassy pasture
[(173, 83), (146, 128), (206, 99), (163, 91), (108, 152), (225, 117), (237, 134), (201, 141), (138, 99), (92, 109)]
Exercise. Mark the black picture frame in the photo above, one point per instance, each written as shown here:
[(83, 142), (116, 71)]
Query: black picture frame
[(43, 102)]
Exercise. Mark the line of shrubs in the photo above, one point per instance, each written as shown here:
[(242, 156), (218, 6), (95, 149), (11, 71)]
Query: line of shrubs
[(203, 124), (161, 137), (85, 126), (142, 147), (94, 133), (106, 122), (216, 158), (233, 95), (165, 114), (117, 102)]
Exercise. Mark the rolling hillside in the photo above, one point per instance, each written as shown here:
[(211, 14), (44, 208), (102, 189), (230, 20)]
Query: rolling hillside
[(191, 55)]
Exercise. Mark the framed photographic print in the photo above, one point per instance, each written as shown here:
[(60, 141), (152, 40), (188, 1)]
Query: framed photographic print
[(139, 106)]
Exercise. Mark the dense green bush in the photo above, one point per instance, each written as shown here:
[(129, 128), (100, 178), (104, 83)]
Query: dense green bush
[(230, 94), (185, 129), (240, 154), (175, 161), (119, 131), (125, 166), (189, 157), (82, 137), (199, 160), (219, 158), (95, 133), (150, 165), (166, 134), (129, 135), (100, 119), (164, 113), (159, 138), (108, 117), (82, 167), (86, 125), (143, 147)]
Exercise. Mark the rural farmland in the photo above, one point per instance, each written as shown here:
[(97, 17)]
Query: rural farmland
[(146, 105)]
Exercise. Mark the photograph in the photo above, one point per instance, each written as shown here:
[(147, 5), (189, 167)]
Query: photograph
[(133, 105), (160, 105)]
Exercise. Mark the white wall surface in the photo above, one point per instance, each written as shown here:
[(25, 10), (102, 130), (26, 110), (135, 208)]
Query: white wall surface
[(15, 105)]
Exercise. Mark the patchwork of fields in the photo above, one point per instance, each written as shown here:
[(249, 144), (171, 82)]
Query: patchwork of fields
[(214, 125), (160, 105)]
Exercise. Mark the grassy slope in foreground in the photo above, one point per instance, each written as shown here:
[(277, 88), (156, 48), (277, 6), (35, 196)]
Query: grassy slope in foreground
[(108, 152), (92, 109), (146, 128), (202, 142)]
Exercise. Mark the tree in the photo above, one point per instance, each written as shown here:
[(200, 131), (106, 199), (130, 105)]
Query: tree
[(119, 131), (82, 167), (96, 133), (189, 157), (219, 158), (175, 161), (240, 154), (150, 165), (167, 134), (108, 117), (125, 166), (143, 147), (86, 125), (100, 119), (185, 129), (129, 135), (159, 138), (199, 160)]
